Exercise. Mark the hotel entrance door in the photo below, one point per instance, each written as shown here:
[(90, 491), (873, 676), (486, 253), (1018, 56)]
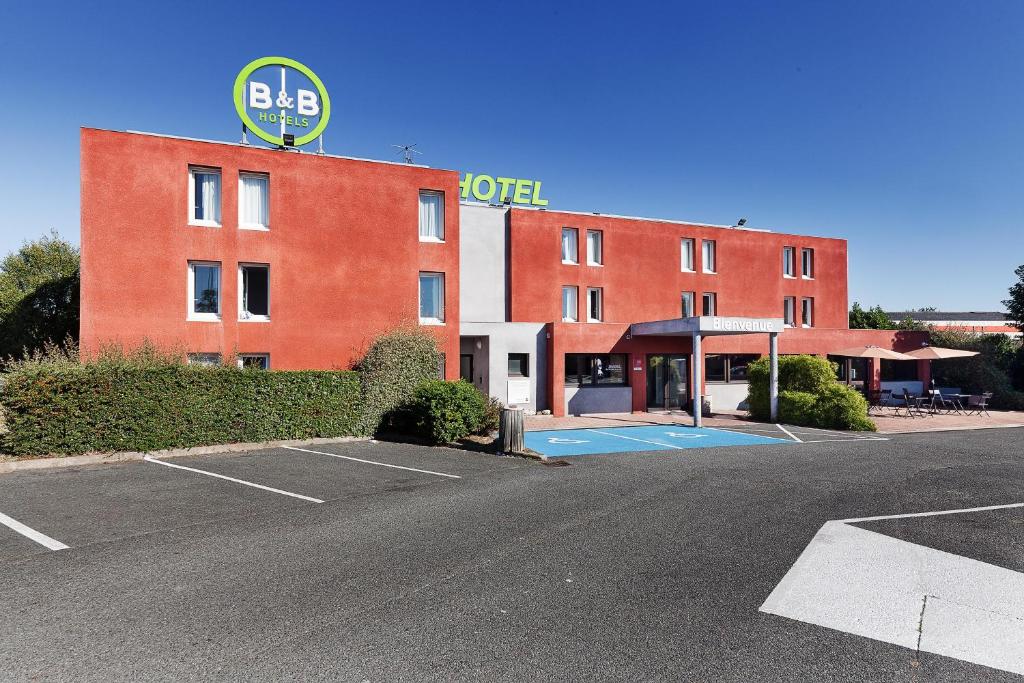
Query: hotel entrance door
[(668, 379)]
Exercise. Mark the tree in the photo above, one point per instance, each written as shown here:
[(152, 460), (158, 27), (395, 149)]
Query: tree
[(39, 290), (908, 323), (1015, 304), (872, 319)]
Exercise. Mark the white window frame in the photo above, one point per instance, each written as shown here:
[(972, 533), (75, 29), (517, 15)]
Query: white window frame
[(191, 292), (575, 260), (789, 311), (204, 358), (711, 268), (439, 238), (714, 303), (687, 252), (429, 320), (807, 255), (599, 260), (807, 311), (241, 189), (243, 356), (575, 308), (599, 292), (243, 316), (789, 262), (204, 222), (686, 296)]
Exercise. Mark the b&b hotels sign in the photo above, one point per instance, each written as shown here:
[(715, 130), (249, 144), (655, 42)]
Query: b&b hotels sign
[(281, 101)]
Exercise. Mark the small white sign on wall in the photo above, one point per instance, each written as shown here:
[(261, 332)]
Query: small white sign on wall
[(518, 391)]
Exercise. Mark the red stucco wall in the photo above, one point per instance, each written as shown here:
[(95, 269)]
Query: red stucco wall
[(343, 249)]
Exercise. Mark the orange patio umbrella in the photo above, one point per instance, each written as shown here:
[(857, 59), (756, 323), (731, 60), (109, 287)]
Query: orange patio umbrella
[(939, 353), (872, 351)]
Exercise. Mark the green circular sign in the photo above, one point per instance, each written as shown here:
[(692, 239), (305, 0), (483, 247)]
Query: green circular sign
[(241, 107)]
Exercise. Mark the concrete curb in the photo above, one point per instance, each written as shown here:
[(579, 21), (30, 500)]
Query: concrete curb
[(105, 458), (952, 429)]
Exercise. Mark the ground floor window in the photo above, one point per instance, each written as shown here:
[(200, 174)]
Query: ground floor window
[(518, 365), (727, 367), (204, 359), (254, 361), (899, 371), (595, 369)]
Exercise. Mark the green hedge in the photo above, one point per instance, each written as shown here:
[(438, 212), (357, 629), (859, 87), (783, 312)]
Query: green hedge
[(78, 409), (393, 367), (443, 412), (809, 395)]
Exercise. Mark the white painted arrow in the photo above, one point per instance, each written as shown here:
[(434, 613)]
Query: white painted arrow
[(677, 435), (872, 585), (557, 440)]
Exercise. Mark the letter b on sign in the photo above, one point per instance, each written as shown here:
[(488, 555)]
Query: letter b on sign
[(259, 95), (308, 105)]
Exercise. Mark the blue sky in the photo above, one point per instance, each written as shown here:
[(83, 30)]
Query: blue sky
[(895, 125)]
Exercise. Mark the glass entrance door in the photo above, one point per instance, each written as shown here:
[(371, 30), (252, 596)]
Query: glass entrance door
[(668, 380)]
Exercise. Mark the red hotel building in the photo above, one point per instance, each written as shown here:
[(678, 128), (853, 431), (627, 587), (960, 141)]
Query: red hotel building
[(293, 260)]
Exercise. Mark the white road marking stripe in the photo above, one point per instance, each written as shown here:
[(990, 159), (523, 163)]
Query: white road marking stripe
[(745, 433), (791, 434), (374, 462), (840, 440), (237, 481), (934, 514), (29, 532), (656, 443)]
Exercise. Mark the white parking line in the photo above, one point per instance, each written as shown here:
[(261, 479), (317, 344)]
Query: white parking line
[(987, 508), (29, 532), (791, 434), (237, 481), (374, 462), (656, 443)]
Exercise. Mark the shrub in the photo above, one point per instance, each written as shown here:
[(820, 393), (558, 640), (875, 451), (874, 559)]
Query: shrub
[(809, 395), (492, 415), (444, 411), (393, 367), (111, 406), (998, 368), (796, 407)]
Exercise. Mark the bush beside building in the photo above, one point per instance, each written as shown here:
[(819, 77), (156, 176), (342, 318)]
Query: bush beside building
[(809, 395)]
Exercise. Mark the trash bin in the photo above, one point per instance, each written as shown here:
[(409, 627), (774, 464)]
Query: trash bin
[(510, 431)]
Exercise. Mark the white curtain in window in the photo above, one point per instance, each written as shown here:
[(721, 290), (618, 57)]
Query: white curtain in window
[(569, 245), (687, 263), (687, 304), (568, 303), (431, 215), (207, 189), (593, 246), (709, 256), (254, 203)]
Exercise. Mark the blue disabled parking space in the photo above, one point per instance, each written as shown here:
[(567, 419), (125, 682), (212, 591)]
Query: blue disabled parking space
[(565, 442)]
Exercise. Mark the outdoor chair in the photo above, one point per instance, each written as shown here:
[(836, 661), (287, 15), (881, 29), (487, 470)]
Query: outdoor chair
[(939, 402), (978, 403), (909, 404)]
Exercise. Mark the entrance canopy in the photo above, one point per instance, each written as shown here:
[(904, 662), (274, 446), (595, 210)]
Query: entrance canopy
[(706, 326), (702, 326)]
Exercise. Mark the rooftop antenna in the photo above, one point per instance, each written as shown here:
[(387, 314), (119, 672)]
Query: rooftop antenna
[(407, 151), (740, 223)]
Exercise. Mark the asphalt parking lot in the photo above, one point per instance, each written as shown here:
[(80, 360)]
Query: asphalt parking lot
[(435, 564)]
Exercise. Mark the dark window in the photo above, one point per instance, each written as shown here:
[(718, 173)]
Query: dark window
[(518, 365), (595, 369), (727, 368), (255, 292), (898, 371), (255, 362), (714, 368)]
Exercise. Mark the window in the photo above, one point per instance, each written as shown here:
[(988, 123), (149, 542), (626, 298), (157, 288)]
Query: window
[(788, 262), (253, 201), (710, 304), (254, 361), (569, 308), (595, 369), (687, 307), (431, 216), (431, 298), (518, 365), (595, 256), (204, 196), (254, 288), (807, 306), (594, 305), (570, 247), (708, 255), (898, 371), (203, 290), (808, 263), (789, 311), (686, 258), (727, 368), (204, 359)]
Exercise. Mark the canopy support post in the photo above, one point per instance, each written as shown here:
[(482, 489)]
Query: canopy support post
[(698, 367), (773, 380)]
